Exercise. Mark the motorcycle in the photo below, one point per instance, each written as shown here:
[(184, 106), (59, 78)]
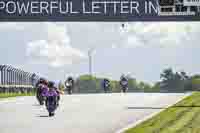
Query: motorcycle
[(106, 86), (39, 96), (69, 87), (124, 85), (58, 97), (51, 105)]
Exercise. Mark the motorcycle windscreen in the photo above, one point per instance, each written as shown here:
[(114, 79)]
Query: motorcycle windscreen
[(124, 82)]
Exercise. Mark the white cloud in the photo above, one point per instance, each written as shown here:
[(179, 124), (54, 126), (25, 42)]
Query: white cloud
[(163, 34), (55, 49), (13, 26), (134, 34), (60, 44), (133, 41)]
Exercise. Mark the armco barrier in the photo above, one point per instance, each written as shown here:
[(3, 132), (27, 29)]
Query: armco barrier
[(16, 80)]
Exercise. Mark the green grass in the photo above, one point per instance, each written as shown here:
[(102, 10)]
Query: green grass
[(183, 117), (7, 95)]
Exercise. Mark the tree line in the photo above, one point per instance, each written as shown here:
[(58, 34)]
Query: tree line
[(170, 81)]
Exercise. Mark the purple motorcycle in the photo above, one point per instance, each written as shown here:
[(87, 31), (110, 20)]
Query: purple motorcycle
[(51, 101)]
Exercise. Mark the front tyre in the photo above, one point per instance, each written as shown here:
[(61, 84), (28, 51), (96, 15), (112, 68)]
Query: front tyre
[(124, 90), (69, 91), (51, 114), (41, 102)]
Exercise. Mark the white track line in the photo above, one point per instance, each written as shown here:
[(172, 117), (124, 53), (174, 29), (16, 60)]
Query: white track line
[(11, 100)]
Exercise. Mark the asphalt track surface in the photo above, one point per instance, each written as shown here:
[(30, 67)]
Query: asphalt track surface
[(88, 113)]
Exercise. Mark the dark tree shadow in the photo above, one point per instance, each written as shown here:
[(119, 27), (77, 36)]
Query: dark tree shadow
[(145, 108), (43, 116), (36, 105), (186, 106), (176, 106)]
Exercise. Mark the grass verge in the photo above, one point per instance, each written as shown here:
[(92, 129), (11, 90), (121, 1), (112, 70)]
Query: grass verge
[(7, 95), (183, 117)]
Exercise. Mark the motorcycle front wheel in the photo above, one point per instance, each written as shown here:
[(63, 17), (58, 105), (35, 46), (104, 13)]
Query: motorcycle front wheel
[(51, 114)]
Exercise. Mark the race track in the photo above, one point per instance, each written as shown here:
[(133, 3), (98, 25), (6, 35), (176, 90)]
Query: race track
[(84, 113)]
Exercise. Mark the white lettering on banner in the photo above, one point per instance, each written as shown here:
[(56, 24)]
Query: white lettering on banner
[(44, 6), (151, 6), (2, 5), (54, 5), (84, 9), (103, 7), (34, 7), (61, 10), (23, 8), (11, 7), (191, 2), (95, 6), (124, 7), (134, 7), (71, 9), (115, 6)]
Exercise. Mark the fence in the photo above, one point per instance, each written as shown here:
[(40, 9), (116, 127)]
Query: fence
[(16, 80)]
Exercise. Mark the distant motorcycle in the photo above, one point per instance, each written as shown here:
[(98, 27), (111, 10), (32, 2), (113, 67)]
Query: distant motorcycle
[(124, 85), (69, 87), (69, 84), (106, 85)]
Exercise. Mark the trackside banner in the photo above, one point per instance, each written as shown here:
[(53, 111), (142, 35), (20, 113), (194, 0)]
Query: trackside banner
[(99, 10)]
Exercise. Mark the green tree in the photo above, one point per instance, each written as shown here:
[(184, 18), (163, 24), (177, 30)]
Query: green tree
[(132, 85), (156, 87), (173, 81)]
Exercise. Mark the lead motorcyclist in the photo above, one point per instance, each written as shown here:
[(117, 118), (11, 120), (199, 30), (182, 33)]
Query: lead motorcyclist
[(124, 83), (69, 84), (51, 98), (59, 92)]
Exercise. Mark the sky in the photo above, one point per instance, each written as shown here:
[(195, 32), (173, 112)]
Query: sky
[(141, 49)]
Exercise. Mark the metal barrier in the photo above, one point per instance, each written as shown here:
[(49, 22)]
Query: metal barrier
[(16, 80)]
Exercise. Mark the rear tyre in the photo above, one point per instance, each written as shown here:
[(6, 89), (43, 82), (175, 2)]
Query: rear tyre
[(41, 103), (124, 90), (50, 114), (69, 91), (53, 114)]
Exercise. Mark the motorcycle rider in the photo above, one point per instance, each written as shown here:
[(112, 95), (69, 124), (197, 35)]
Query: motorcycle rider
[(51, 98), (124, 83), (106, 85), (69, 84), (59, 92), (39, 83), (40, 87)]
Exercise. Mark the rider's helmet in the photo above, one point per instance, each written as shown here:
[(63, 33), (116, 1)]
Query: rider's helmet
[(40, 81), (123, 77), (105, 82), (45, 82), (70, 78), (123, 80), (51, 84)]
